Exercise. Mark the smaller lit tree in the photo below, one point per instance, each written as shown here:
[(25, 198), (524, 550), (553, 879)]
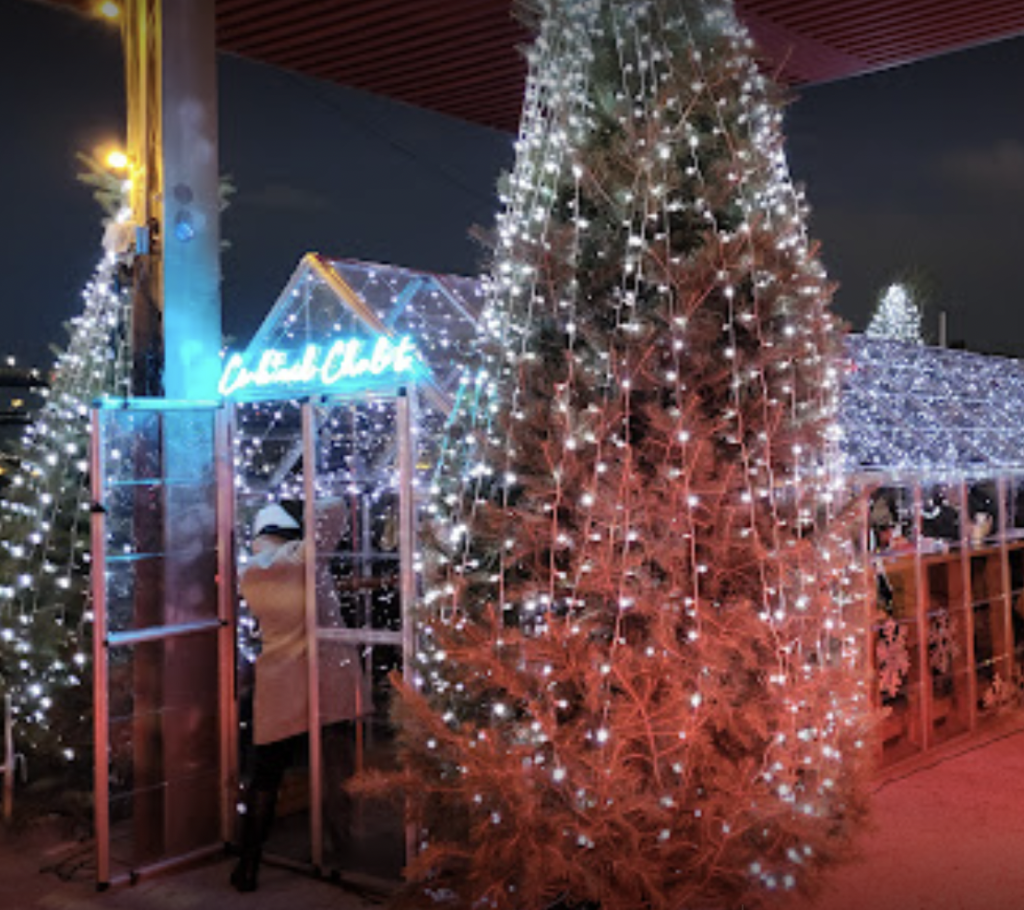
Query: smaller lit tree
[(45, 611), (897, 315)]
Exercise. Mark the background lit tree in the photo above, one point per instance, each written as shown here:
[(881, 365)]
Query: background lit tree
[(637, 684), (45, 617), (897, 315)]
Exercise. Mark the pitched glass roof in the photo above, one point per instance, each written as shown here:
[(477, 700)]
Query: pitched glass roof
[(904, 407), (912, 408)]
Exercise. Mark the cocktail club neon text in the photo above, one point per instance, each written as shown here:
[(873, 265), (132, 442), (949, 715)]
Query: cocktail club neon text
[(343, 363)]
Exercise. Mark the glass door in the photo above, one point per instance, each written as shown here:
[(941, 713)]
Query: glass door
[(364, 590), (349, 462), (163, 643)]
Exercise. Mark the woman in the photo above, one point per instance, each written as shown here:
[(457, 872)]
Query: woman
[(273, 584)]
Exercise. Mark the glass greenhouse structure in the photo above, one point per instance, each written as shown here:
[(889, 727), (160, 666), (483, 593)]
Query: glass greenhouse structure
[(934, 440)]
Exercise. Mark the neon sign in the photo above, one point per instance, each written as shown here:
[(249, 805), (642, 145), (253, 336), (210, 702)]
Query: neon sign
[(345, 360)]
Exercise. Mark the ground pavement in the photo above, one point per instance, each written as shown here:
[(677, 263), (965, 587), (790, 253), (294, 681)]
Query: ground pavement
[(947, 835), (43, 871)]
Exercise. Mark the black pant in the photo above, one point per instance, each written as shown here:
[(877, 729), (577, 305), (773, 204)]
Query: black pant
[(266, 766), (271, 760), (262, 780)]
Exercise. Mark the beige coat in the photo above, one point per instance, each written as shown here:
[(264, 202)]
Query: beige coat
[(273, 584)]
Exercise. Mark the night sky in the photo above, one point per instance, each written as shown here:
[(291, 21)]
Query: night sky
[(916, 172)]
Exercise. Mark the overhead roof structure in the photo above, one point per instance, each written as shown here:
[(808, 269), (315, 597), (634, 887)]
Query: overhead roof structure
[(909, 408), (462, 58)]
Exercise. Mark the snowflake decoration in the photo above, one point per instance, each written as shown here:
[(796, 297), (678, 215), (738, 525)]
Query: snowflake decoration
[(892, 658), (942, 643), (1002, 694), (998, 694)]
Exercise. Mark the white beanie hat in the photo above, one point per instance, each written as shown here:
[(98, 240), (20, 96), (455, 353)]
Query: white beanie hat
[(274, 519)]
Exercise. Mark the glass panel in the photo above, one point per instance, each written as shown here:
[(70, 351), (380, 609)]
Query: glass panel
[(985, 658), (1015, 554), (359, 607), (147, 591), (1017, 631), (355, 545), (357, 518), (358, 573), (993, 636), (363, 835), (972, 637), (132, 446), (164, 748), (268, 458), (897, 641), (1015, 507), (160, 572), (947, 646), (163, 696)]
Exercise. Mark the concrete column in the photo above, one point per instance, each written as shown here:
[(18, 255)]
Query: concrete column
[(190, 230)]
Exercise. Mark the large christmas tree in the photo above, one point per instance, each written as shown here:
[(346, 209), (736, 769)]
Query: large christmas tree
[(638, 685)]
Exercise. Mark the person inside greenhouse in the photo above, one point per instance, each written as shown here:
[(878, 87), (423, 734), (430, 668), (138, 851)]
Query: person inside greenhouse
[(273, 584), (981, 509), (939, 518)]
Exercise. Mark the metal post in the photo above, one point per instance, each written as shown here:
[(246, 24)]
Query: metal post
[(226, 615), (9, 760), (1005, 593), (406, 529), (968, 584), (309, 465), (871, 563), (101, 707), (406, 552), (921, 607)]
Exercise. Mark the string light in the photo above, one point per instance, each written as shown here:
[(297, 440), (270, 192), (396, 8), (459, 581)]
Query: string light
[(650, 239)]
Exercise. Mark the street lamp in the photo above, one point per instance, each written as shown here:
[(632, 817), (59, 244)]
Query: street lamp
[(116, 160)]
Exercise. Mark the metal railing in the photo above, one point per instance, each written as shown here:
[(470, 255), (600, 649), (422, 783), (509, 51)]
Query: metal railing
[(12, 762)]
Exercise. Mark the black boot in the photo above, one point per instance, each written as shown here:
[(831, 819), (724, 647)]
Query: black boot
[(256, 823), (246, 872)]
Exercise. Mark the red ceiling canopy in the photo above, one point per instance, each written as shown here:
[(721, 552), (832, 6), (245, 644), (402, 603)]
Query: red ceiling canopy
[(460, 57)]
